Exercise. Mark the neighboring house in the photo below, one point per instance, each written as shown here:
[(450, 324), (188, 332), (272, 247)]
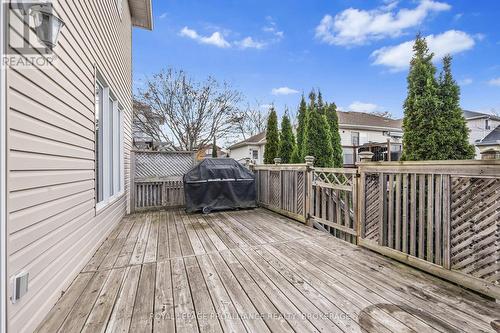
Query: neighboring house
[(369, 130), (141, 140), (356, 129), (251, 148), (491, 143), (206, 152), (480, 126), (68, 131)]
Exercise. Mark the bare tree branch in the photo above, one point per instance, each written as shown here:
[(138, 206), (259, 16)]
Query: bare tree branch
[(250, 121), (184, 113)]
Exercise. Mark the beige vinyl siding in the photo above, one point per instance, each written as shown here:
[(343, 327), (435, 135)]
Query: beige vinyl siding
[(53, 227)]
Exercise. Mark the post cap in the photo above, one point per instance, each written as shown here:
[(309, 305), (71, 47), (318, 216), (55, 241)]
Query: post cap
[(365, 156), (309, 160)]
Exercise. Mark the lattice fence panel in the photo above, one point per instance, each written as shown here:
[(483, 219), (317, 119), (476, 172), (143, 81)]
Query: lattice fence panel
[(372, 201), (475, 227), (161, 165), (274, 189), (300, 192)]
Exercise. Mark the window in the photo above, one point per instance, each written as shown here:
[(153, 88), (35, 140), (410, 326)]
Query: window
[(109, 145), (487, 124), (355, 138), (255, 154)]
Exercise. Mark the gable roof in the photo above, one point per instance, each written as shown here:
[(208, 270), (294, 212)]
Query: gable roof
[(257, 139), (478, 115), (363, 119), (491, 139), (142, 13)]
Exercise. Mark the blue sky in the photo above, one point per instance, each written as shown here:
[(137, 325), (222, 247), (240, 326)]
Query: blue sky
[(354, 51)]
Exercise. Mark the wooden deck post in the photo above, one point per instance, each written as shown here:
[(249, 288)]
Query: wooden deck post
[(132, 182), (309, 190)]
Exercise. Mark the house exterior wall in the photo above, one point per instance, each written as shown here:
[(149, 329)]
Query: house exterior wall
[(241, 153), (365, 136), (53, 226), (478, 131)]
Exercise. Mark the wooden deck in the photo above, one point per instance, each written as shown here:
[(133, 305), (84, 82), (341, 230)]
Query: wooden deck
[(254, 271)]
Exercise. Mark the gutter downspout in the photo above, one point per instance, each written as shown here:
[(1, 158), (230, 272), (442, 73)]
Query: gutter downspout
[(3, 171)]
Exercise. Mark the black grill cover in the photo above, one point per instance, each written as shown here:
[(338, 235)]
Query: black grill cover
[(219, 183)]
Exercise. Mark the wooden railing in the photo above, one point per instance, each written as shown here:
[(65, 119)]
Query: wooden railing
[(322, 197), (156, 194), (334, 202), (156, 178), (283, 189), (442, 217)]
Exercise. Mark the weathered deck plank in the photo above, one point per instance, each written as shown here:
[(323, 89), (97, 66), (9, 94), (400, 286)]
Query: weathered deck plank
[(254, 271)]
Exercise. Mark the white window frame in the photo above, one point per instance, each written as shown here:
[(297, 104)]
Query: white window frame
[(112, 158)]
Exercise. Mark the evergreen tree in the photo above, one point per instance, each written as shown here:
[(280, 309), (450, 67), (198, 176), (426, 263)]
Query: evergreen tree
[(317, 136), (214, 149), (287, 140), (272, 138), (297, 156), (455, 135), (421, 123), (333, 123)]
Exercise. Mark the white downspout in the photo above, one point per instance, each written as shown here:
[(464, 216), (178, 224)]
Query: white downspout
[(3, 172)]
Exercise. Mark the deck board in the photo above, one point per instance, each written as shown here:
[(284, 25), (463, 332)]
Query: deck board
[(254, 271)]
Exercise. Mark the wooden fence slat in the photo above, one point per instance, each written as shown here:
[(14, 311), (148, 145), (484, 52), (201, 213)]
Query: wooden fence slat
[(404, 217), (437, 219), (446, 222), (382, 210), (390, 212), (413, 215), (398, 212), (421, 216), (430, 218)]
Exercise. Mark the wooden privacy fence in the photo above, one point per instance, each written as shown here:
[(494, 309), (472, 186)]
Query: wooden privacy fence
[(157, 179), (439, 216), (442, 217)]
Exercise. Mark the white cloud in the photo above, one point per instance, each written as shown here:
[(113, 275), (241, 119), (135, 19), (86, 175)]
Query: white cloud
[(250, 43), (465, 82), (398, 57), (266, 106), (272, 28), (495, 82), (363, 107), (216, 39), (284, 91), (356, 26), (163, 15)]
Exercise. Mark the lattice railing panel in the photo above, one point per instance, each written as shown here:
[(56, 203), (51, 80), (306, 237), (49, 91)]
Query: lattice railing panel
[(160, 165), (475, 227), (274, 188), (372, 202), (334, 205), (300, 192)]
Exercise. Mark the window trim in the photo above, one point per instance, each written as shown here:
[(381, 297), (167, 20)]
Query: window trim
[(358, 136), (109, 103)]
